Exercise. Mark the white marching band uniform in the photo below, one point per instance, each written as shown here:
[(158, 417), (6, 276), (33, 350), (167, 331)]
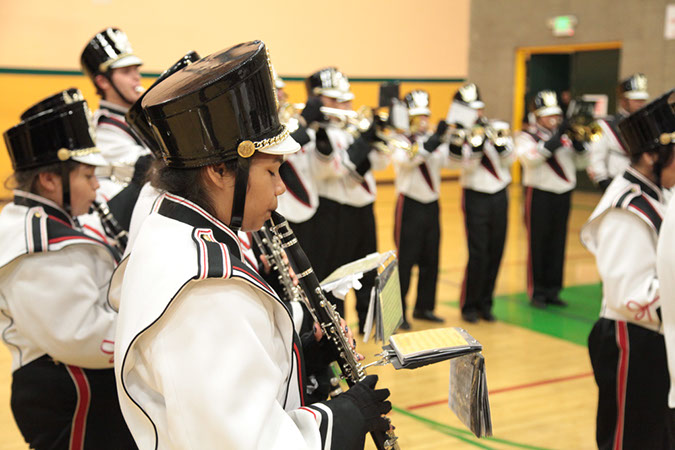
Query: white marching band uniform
[(207, 285), (36, 292), (488, 171), (545, 170), (665, 266), (419, 177), (626, 224), (120, 147), (608, 156), (301, 199), (336, 174)]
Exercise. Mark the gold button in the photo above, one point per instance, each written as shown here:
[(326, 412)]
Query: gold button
[(246, 149)]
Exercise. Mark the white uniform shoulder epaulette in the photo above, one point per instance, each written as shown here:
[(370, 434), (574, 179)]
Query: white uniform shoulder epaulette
[(632, 199)]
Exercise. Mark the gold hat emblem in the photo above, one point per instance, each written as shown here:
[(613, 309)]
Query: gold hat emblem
[(640, 82), (469, 93), (63, 154), (246, 149)]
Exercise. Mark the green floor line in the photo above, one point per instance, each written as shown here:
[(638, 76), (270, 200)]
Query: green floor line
[(464, 435), (572, 323)]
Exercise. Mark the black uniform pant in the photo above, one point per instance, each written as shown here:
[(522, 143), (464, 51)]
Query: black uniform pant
[(630, 369), (546, 215), (417, 233), (344, 233), (485, 218), (57, 406)]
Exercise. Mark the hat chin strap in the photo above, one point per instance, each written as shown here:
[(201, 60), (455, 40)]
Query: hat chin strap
[(108, 75), (65, 188), (240, 186)]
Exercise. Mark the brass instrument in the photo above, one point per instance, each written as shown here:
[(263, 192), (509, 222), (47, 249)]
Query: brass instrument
[(357, 122), (326, 315), (289, 115), (497, 133), (581, 122)]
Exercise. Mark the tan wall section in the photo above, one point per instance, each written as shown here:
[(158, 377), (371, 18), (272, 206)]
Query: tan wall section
[(383, 38)]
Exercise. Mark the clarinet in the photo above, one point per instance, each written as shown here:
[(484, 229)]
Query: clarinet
[(326, 315), (111, 225)]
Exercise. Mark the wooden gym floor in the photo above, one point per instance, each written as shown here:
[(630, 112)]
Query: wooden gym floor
[(542, 393)]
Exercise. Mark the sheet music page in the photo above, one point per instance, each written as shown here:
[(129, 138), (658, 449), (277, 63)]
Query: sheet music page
[(389, 299), (462, 114), (419, 342), (362, 265)]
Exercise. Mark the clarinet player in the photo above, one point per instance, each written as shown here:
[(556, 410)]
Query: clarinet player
[(207, 357)]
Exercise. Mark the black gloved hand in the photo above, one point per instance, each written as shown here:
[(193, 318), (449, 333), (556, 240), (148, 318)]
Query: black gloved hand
[(312, 111), (371, 402), (578, 145), (435, 139), (323, 144), (457, 140)]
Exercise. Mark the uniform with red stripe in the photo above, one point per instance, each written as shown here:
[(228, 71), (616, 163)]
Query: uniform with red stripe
[(58, 328), (485, 175), (626, 345), (253, 394), (417, 230), (549, 176)]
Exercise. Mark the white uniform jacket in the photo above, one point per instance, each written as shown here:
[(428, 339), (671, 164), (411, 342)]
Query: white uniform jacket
[(487, 171), (545, 170), (419, 177), (53, 285), (622, 233), (206, 353), (301, 199), (665, 268), (120, 147), (608, 156), (336, 176)]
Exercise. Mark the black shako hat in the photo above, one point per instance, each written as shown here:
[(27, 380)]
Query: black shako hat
[(65, 97), (53, 135), (108, 49), (136, 118), (469, 95), (634, 87), (652, 127), (329, 82), (220, 108)]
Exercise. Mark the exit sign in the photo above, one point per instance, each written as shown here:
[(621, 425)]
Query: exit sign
[(563, 25)]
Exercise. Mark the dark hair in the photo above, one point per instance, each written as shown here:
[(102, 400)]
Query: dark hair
[(25, 180), (186, 183)]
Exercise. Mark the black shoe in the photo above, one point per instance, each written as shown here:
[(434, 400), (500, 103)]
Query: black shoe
[(427, 315), (404, 326), (556, 301), (538, 303), (470, 316), (488, 316)]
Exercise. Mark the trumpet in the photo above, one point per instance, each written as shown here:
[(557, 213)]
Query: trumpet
[(357, 122), (581, 123), (497, 133)]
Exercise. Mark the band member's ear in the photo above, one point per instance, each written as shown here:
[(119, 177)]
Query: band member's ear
[(218, 175)]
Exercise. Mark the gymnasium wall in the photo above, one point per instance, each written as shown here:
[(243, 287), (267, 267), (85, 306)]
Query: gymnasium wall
[(499, 29), (423, 44)]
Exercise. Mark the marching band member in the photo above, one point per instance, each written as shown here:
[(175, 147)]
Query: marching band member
[(550, 160), (109, 61), (235, 380), (626, 346), (56, 322), (344, 164), (301, 199), (608, 155), (417, 229), (485, 163)]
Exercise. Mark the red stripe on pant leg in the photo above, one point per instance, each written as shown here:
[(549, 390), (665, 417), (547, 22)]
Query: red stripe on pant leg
[(621, 381), (397, 223), (79, 425), (528, 218)]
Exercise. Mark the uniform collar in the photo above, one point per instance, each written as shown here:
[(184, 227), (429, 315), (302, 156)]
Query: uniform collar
[(31, 200), (647, 186), (183, 210), (112, 107), (543, 133)]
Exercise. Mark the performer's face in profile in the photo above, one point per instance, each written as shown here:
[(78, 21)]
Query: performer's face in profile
[(264, 185)]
